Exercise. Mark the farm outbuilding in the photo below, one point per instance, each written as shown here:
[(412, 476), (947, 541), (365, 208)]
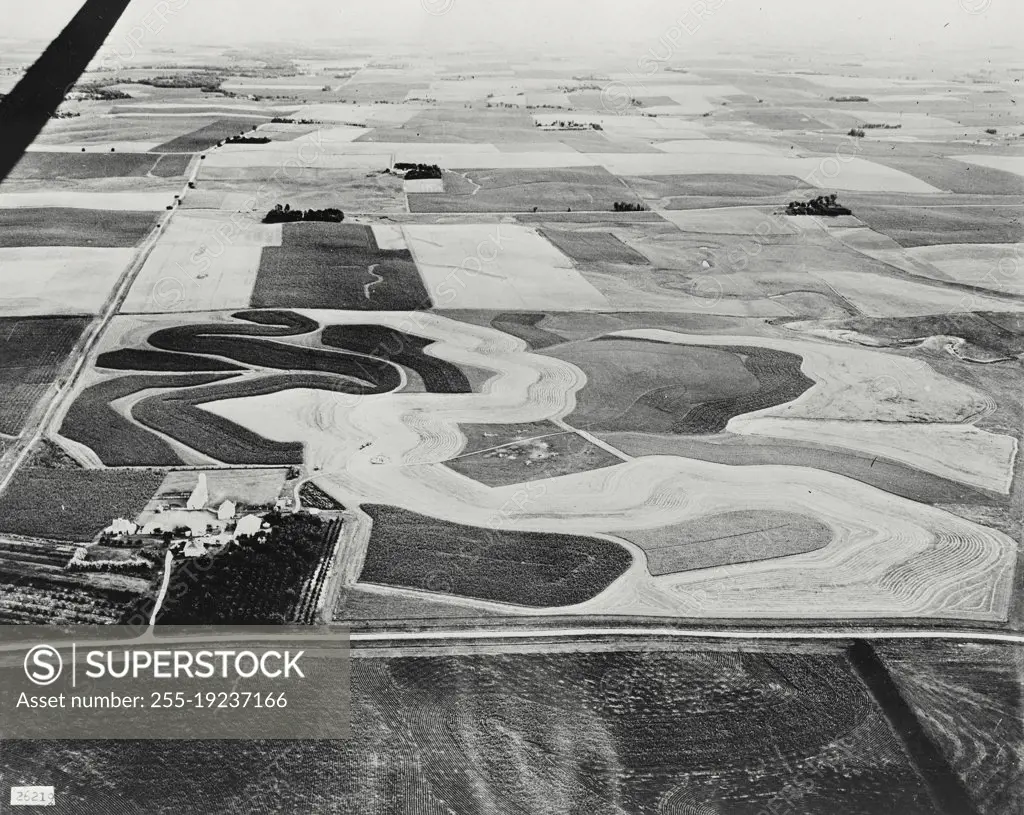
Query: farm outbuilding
[(249, 525), (226, 511), (200, 495)]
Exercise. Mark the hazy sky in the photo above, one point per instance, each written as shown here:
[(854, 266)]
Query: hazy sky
[(897, 26)]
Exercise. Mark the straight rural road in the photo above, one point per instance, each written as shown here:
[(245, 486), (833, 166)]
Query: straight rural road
[(50, 405)]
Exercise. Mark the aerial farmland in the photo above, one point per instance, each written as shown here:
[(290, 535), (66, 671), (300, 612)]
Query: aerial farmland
[(658, 441)]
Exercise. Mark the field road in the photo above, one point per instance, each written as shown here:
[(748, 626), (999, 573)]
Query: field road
[(498, 636), (50, 405)]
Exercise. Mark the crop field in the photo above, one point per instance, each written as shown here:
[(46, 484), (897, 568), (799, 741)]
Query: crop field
[(664, 190), (54, 226), (967, 699), (115, 439), (49, 166), (988, 266), (670, 730), (496, 266), (526, 190), (72, 505), (729, 538), (35, 589), (276, 580), (51, 280), (880, 471), (208, 135), (498, 455), (337, 266), (47, 196), (591, 247), (202, 262), (303, 187), (928, 226), (382, 342), (634, 387), (413, 551), (32, 350)]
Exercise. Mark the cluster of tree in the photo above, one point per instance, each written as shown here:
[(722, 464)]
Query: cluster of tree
[(247, 140), (258, 579), (416, 172), (991, 131), (138, 565), (286, 215), (196, 80), (848, 99), (285, 120), (856, 132), (570, 125), (822, 205), (626, 206), (94, 92), (64, 114), (880, 127)]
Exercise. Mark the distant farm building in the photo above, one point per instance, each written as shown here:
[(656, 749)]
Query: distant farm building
[(226, 511), (194, 548)]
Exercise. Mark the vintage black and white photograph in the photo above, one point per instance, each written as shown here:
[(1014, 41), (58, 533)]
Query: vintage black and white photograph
[(511, 407)]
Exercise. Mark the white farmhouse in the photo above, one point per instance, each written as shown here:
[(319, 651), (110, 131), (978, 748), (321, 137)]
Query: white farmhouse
[(226, 511), (249, 525)]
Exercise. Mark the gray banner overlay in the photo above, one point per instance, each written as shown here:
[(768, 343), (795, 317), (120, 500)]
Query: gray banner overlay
[(187, 682)]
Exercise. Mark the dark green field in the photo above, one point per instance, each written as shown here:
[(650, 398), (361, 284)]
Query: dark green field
[(910, 226), (32, 350), (207, 136), (524, 568), (56, 226), (48, 166), (644, 731), (73, 505), (592, 247), (337, 266)]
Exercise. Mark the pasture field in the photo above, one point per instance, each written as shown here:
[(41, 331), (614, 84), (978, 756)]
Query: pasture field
[(73, 505), (727, 539), (628, 729), (46, 165), (337, 266), (498, 455), (413, 551), (655, 389), (48, 280), (32, 351), (665, 190), (987, 336), (522, 190), (54, 226), (251, 488), (496, 266)]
